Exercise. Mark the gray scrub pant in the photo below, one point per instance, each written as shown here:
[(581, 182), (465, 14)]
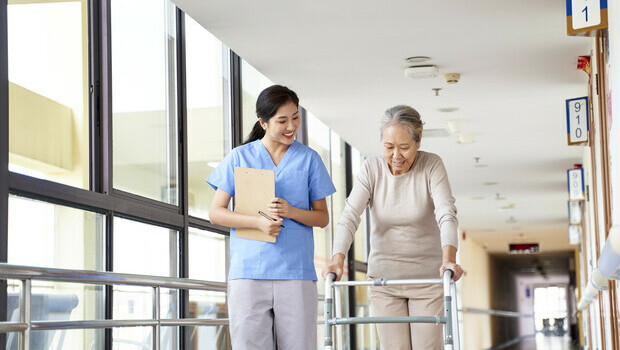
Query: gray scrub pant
[(257, 307), (408, 300)]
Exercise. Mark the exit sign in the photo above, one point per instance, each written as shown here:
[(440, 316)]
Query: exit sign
[(523, 248)]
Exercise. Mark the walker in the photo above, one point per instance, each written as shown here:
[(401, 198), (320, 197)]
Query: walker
[(333, 293)]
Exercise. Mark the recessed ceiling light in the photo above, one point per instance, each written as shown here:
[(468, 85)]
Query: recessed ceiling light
[(435, 133), (465, 138), (421, 71), (417, 59), (506, 207), (447, 109), (490, 183)]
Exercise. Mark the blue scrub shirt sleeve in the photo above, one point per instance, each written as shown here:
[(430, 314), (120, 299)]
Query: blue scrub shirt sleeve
[(224, 175), (319, 182)]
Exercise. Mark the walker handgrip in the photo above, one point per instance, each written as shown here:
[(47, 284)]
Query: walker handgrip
[(451, 272), (333, 276)]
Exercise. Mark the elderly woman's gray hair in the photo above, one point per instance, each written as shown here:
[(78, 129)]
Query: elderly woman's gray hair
[(406, 116)]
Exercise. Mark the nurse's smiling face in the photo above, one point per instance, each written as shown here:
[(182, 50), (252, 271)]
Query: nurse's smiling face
[(282, 127)]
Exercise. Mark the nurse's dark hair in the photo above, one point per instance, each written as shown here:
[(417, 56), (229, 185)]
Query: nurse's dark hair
[(267, 104), (406, 116)]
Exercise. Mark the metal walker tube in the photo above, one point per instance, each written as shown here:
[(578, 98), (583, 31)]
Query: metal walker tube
[(333, 301)]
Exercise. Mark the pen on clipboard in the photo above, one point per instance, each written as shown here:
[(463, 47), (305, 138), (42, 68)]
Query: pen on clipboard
[(268, 217)]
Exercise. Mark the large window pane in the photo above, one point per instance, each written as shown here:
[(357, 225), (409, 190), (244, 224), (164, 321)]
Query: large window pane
[(207, 255), (144, 98), (338, 176), (252, 83), (361, 246), (148, 250), (65, 237), (48, 101), (209, 305), (207, 120), (144, 249), (48, 235), (318, 139)]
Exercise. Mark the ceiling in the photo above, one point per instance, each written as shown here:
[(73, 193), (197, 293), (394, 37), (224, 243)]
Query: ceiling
[(345, 59)]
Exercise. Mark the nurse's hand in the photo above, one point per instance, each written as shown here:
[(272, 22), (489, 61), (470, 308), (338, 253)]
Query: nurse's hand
[(336, 266), (268, 226), (279, 207)]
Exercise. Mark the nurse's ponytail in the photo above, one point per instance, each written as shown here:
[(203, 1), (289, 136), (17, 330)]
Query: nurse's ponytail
[(257, 133), (267, 105)]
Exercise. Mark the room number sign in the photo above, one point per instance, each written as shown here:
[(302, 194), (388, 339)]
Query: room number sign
[(577, 123)]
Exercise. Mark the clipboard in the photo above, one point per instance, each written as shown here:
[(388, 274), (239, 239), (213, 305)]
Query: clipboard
[(254, 189)]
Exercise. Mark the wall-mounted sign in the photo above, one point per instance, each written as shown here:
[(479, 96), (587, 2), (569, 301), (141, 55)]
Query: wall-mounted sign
[(585, 17), (523, 248), (574, 212), (574, 234), (576, 187), (577, 123)]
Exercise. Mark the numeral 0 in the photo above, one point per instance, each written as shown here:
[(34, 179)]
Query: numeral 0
[(578, 132)]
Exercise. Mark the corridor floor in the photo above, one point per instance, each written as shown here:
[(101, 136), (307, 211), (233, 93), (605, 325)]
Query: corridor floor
[(540, 342)]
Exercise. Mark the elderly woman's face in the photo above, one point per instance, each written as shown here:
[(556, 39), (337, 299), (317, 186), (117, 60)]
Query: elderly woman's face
[(399, 148)]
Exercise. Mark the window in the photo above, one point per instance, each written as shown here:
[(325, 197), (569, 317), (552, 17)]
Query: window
[(65, 238), (148, 250), (361, 235), (144, 99), (318, 139), (207, 119), (48, 106), (252, 83)]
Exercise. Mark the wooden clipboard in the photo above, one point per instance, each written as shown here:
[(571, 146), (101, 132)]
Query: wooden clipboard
[(254, 189)]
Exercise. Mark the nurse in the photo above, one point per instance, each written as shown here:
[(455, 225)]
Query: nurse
[(273, 285)]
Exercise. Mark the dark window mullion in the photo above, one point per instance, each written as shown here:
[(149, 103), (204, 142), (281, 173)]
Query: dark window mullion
[(302, 132), (94, 95), (236, 96), (348, 170), (103, 168), (4, 158), (183, 188)]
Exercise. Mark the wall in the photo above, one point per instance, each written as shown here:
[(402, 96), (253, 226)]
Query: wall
[(475, 293)]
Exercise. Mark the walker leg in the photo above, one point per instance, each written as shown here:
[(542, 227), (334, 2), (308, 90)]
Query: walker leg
[(447, 302), (327, 310), (339, 328)]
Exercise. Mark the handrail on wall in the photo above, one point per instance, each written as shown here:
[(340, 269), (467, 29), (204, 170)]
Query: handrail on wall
[(608, 269), (28, 273)]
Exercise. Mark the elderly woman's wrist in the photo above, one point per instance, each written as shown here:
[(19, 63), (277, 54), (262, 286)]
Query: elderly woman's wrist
[(338, 257)]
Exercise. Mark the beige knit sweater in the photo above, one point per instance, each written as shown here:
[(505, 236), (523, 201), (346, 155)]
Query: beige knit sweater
[(413, 217)]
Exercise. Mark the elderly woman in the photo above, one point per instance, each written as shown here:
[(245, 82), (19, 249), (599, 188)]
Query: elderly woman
[(414, 232)]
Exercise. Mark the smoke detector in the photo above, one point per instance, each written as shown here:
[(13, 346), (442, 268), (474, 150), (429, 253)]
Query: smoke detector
[(421, 71), (452, 78)]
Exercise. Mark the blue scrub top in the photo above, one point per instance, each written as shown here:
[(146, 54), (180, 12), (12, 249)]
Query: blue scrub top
[(301, 178)]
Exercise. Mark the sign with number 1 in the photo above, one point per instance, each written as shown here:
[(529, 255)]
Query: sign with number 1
[(585, 17), (577, 123)]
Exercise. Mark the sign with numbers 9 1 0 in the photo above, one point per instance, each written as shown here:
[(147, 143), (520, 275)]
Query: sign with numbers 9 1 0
[(577, 123)]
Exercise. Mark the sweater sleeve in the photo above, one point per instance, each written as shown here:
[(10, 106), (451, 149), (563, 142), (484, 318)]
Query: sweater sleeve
[(445, 210), (350, 217)]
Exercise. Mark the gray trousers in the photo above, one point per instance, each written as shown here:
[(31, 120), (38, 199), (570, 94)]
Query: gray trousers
[(257, 307), (408, 300)]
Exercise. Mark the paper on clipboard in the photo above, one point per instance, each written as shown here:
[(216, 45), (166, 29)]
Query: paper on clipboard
[(254, 189)]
